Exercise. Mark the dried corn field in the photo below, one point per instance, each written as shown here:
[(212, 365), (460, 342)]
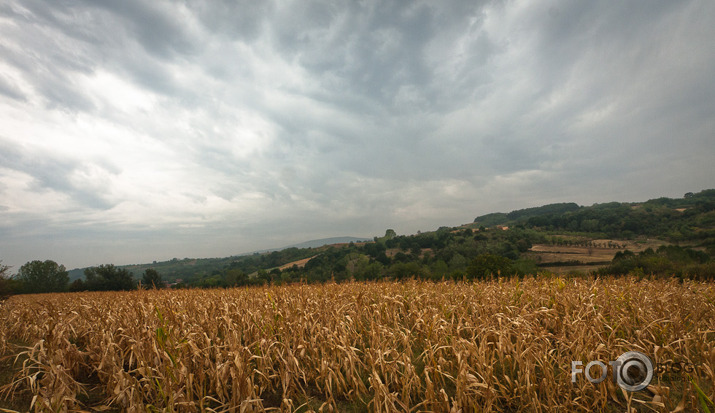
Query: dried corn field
[(414, 346)]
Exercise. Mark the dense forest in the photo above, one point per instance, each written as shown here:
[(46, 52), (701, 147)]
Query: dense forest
[(687, 219), (496, 244)]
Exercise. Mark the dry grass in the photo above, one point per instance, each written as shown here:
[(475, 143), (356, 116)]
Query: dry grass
[(298, 263), (415, 346)]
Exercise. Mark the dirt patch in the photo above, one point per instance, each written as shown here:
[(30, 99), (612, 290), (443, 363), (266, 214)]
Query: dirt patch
[(299, 263), (544, 254)]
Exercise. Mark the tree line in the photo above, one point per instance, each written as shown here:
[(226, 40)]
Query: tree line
[(687, 219), (442, 255), (451, 255), (48, 276)]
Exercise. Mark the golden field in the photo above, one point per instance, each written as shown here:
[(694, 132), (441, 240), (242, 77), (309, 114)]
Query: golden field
[(500, 345)]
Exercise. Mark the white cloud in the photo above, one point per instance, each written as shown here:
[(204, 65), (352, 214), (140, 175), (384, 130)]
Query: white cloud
[(136, 130)]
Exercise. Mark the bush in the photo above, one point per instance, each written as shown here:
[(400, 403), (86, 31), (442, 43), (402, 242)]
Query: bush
[(108, 278), (401, 271), (8, 285), (670, 260), (486, 265)]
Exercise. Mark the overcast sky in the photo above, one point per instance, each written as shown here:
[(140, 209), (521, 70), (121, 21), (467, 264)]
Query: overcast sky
[(137, 130)]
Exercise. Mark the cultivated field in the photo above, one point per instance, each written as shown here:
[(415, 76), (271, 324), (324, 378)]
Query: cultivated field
[(569, 258), (413, 346)]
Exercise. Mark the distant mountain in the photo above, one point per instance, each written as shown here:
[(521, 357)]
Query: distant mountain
[(179, 268), (327, 241), (76, 274), (316, 243)]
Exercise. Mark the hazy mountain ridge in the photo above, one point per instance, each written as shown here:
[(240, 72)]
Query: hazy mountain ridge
[(327, 241), (175, 268)]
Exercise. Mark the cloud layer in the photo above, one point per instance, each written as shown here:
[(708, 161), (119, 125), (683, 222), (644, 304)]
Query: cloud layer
[(134, 130)]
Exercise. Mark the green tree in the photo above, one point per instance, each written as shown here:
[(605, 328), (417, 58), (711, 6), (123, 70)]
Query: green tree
[(8, 285), (403, 270), (390, 234), (489, 264), (77, 285), (108, 278), (440, 269), (43, 277), (373, 271), (151, 279), (524, 266), (235, 277), (457, 262)]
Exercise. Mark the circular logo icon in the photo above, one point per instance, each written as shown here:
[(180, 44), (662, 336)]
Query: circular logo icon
[(635, 371)]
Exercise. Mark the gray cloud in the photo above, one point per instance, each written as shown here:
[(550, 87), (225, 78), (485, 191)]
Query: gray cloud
[(242, 19), (245, 125), (52, 173), (10, 89)]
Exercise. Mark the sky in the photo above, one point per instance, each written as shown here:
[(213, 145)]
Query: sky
[(134, 130)]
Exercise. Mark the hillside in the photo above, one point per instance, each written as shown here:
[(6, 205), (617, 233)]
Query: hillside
[(176, 268), (327, 241), (500, 218), (664, 235), (690, 219)]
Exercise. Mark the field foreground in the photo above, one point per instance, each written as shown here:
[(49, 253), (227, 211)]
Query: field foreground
[(414, 346)]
